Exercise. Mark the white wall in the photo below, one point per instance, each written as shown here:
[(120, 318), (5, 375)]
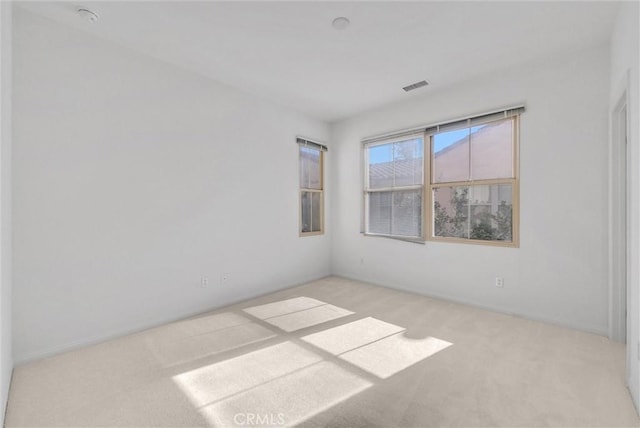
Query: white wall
[(559, 273), (625, 59), (132, 180), (6, 360)]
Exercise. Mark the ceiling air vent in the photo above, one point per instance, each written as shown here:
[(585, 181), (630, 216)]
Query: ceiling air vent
[(415, 85)]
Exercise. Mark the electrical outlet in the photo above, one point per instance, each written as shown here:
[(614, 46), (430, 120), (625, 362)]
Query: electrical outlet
[(499, 281), (224, 278), (204, 282)]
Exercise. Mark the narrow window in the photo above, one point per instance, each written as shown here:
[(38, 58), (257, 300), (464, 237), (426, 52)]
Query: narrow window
[(394, 187), (311, 187)]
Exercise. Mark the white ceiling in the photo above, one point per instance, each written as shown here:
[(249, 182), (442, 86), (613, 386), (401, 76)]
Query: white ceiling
[(289, 53)]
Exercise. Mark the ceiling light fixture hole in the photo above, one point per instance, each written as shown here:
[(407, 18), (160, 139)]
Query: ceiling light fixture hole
[(340, 23), (88, 15)]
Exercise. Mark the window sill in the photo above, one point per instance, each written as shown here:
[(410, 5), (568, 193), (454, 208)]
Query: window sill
[(422, 241), (397, 238), (302, 234), (503, 244)]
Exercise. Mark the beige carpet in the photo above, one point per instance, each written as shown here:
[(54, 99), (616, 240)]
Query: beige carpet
[(333, 353)]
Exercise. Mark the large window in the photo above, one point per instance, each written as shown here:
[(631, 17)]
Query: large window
[(465, 173), (473, 181), (311, 187), (394, 187)]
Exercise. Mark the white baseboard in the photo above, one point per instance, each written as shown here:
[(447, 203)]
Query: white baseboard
[(448, 298), (141, 326)]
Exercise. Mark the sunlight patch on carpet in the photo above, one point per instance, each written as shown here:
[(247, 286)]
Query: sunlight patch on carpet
[(350, 336), (290, 399), (307, 318), (215, 382), (390, 355), (193, 348), (283, 307)]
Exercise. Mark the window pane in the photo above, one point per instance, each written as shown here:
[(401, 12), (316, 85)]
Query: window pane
[(409, 162), (316, 205), (396, 164), (482, 212), (492, 214), (492, 150), (380, 166), (451, 211), (310, 170), (407, 213), (380, 212), (303, 169), (305, 200), (311, 211), (451, 156)]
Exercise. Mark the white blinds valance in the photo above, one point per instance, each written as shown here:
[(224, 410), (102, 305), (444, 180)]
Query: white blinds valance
[(312, 144), (449, 125)]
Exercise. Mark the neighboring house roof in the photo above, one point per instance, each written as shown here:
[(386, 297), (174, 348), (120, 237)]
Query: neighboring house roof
[(406, 172), (483, 132), (452, 162)]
